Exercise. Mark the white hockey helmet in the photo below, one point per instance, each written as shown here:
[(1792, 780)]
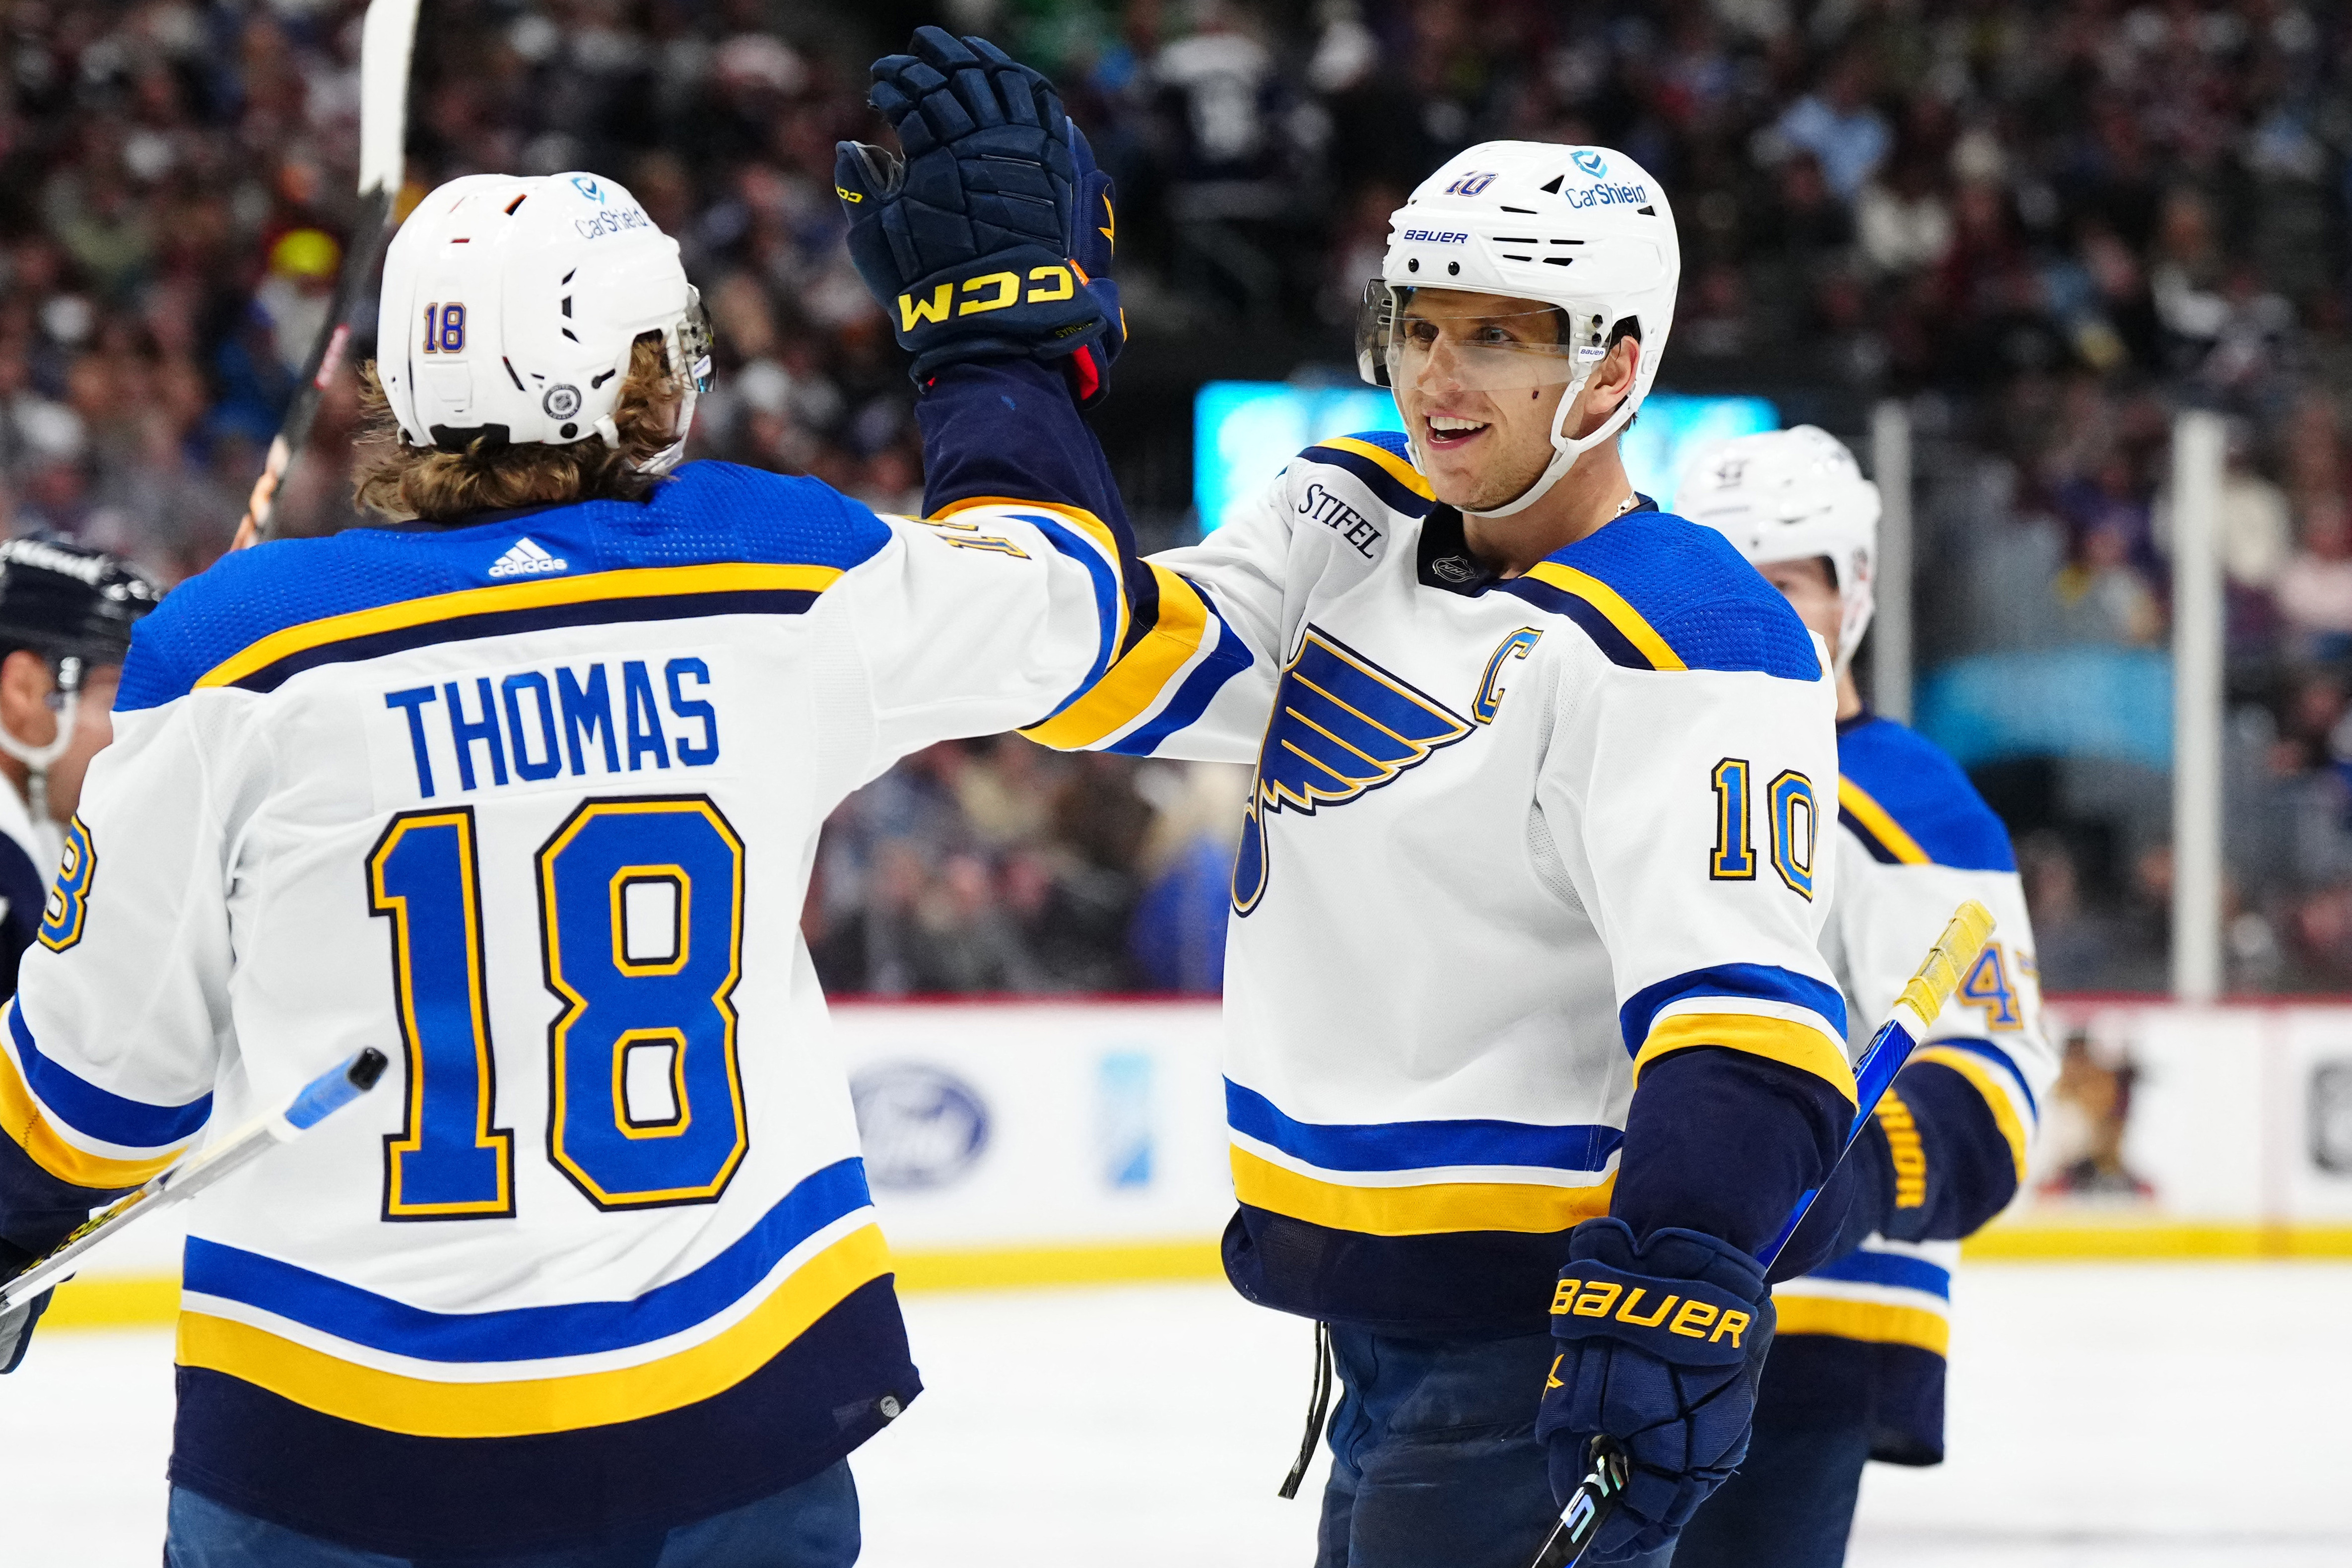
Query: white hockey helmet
[(1792, 494), (511, 305), (1584, 230)]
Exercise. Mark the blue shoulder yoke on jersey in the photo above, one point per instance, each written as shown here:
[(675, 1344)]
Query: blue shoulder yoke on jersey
[(716, 539), (1657, 592), (1909, 803)]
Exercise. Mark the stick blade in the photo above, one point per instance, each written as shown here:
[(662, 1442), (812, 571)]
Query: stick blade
[(386, 39)]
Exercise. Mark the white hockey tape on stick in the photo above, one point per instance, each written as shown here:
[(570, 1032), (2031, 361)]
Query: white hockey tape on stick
[(317, 1100), (387, 40)]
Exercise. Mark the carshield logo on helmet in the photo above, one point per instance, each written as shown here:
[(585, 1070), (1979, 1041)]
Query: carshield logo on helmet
[(1589, 161), (589, 188)]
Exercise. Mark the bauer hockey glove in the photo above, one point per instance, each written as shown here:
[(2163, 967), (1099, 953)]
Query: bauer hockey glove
[(1932, 1165), (969, 242), (16, 1323), (1661, 1347)]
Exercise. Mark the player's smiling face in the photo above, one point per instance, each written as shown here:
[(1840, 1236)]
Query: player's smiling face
[(1479, 378)]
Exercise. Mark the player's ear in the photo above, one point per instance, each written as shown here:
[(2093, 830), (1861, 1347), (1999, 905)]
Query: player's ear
[(1619, 371), (25, 687)]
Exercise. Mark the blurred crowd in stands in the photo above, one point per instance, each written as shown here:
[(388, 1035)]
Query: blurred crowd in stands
[(2045, 225)]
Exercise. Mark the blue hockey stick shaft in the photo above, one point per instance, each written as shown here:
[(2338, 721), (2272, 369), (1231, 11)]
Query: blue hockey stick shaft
[(1905, 1025), (312, 1103)]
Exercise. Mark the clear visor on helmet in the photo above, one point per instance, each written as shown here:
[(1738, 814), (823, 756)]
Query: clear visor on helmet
[(687, 348), (1406, 337)]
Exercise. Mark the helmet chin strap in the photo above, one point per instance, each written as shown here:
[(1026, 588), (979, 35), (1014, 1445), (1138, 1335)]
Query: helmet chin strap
[(1565, 450), (40, 760), (1853, 621)]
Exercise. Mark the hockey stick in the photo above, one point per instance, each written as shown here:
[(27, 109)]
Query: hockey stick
[(1907, 1023), (318, 1099), (386, 38)]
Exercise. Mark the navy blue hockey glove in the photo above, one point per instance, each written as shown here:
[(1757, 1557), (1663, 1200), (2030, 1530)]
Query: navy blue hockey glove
[(972, 243), (16, 1323), (1661, 1347)]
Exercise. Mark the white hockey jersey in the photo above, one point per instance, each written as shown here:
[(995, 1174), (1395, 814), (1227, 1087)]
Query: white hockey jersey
[(1487, 814), (529, 805), (1869, 1332)]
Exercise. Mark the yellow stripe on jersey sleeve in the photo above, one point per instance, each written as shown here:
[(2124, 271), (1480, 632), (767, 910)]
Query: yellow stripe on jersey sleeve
[(1777, 1039), (1872, 1322), (1077, 517), (1397, 468), (1881, 824), (421, 1408), (1985, 1079), (635, 582), (1130, 686), (1437, 1209), (1611, 604), (21, 1119)]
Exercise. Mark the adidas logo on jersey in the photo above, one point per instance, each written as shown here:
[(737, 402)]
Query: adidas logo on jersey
[(526, 560)]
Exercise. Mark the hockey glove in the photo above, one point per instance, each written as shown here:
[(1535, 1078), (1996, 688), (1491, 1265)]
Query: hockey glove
[(969, 242), (16, 1323), (1661, 1347)]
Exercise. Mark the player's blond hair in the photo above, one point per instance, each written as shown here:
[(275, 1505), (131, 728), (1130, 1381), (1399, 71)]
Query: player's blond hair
[(405, 482)]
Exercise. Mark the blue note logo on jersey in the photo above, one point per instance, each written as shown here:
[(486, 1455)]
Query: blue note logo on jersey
[(1342, 726)]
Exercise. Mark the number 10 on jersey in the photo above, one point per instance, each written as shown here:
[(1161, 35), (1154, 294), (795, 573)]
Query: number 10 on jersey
[(641, 939), (1789, 803)]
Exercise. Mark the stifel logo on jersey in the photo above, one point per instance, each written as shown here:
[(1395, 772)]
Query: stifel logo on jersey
[(528, 560)]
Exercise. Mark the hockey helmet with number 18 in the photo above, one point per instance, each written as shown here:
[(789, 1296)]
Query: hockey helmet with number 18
[(1792, 494), (1581, 231), (511, 306)]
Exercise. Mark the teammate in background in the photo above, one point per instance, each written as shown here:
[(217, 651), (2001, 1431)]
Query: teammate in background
[(524, 788), (66, 614), (1530, 753), (1857, 1369)]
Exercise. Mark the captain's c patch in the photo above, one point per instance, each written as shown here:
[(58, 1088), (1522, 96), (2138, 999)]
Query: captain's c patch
[(1341, 727)]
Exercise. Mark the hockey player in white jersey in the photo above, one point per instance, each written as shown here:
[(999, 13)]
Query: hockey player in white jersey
[(66, 614), (1529, 753), (1857, 1368), (525, 790)]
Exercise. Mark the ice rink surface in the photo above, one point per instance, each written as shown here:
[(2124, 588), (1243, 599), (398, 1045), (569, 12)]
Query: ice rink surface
[(2102, 1416)]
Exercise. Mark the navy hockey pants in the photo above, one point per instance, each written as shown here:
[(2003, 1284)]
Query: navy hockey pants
[(811, 1525), (1434, 1462), (1790, 1504)]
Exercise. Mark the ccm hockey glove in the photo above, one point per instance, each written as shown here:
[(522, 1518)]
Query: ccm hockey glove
[(16, 1323), (972, 241), (1661, 1347)]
